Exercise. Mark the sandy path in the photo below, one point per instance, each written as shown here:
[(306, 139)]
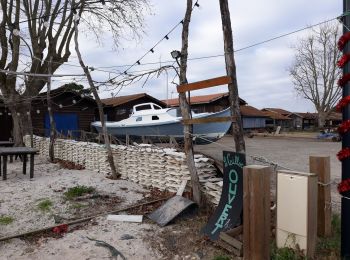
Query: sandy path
[(20, 196)]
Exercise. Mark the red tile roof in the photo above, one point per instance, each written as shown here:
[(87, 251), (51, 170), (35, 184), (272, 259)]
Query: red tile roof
[(201, 99), (277, 110), (250, 111), (275, 115), (308, 115)]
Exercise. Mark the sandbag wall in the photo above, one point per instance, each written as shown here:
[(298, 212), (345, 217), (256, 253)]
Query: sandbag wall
[(144, 164)]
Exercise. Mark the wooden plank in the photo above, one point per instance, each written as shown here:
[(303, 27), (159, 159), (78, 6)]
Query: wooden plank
[(194, 121), (182, 187), (232, 241), (320, 165), (125, 218), (235, 231), (204, 84), (256, 212), (228, 247), (311, 217)]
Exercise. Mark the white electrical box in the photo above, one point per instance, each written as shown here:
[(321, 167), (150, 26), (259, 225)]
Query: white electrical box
[(297, 210)]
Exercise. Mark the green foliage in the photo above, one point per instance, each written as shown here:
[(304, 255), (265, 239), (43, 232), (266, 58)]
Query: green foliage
[(45, 205), (6, 220), (78, 191), (286, 253), (331, 245), (221, 257)]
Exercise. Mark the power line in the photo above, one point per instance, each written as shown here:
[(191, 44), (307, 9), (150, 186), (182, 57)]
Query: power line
[(40, 75), (237, 50)]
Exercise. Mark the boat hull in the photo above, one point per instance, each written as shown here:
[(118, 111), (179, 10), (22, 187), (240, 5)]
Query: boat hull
[(203, 133)]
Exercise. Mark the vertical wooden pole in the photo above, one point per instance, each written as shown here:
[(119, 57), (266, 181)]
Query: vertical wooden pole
[(256, 212), (345, 203), (320, 165)]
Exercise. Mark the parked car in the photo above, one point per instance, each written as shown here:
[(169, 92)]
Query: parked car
[(327, 134)]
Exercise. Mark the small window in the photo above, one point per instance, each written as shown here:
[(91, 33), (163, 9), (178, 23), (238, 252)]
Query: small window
[(155, 118), (157, 107), (138, 119), (121, 111)]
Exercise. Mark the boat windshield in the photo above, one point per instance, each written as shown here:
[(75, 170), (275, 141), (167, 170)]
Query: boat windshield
[(148, 106), (175, 112)]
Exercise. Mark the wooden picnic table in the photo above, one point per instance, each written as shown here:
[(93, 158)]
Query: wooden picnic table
[(20, 151), (6, 144)]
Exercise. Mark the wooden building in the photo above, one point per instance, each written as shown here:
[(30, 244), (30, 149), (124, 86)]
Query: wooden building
[(252, 118), (5, 122), (277, 117), (206, 103), (72, 111), (119, 108)]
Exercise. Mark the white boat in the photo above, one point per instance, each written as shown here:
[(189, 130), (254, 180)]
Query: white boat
[(151, 120)]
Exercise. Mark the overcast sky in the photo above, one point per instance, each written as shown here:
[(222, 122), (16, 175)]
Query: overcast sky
[(263, 79)]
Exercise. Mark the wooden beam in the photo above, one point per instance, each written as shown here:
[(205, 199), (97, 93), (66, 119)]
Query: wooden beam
[(204, 84), (235, 231), (206, 120), (320, 165), (256, 212), (232, 241)]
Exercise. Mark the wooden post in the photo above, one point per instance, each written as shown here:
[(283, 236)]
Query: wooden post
[(256, 212), (320, 165)]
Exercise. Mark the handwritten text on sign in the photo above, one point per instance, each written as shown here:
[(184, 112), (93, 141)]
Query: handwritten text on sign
[(228, 212)]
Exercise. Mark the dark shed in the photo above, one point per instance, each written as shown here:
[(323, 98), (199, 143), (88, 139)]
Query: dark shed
[(119, 108), (72, 111)]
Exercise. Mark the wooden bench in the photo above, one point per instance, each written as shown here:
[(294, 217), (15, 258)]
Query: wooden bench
[(17, 151)]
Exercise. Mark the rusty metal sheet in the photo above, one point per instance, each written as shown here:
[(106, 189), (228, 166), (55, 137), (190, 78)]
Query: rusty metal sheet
[(170, 210)]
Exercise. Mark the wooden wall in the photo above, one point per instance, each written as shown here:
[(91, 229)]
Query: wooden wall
[(123, 111), (84, 108)]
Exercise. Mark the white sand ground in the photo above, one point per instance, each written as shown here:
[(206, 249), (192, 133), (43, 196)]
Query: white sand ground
[(20, 196)]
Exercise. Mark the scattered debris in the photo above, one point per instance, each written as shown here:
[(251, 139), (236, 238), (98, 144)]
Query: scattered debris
[(69, 165), (126, 237), (125, 218), (60, 229), (170, 210), (81, 220), (114, 251)]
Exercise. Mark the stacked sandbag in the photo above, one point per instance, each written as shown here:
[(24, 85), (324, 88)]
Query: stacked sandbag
[(144, 164)]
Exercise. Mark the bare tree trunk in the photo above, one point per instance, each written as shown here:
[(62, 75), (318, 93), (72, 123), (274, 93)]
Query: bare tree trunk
[(115, 175), (52, 121), (237, 126), (185, 108), (321, 119), (21, 122)]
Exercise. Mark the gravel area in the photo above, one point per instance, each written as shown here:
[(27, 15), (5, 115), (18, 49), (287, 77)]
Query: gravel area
[(291, 153)]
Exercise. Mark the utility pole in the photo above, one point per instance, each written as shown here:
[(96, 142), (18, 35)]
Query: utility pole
[(345, 203)]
